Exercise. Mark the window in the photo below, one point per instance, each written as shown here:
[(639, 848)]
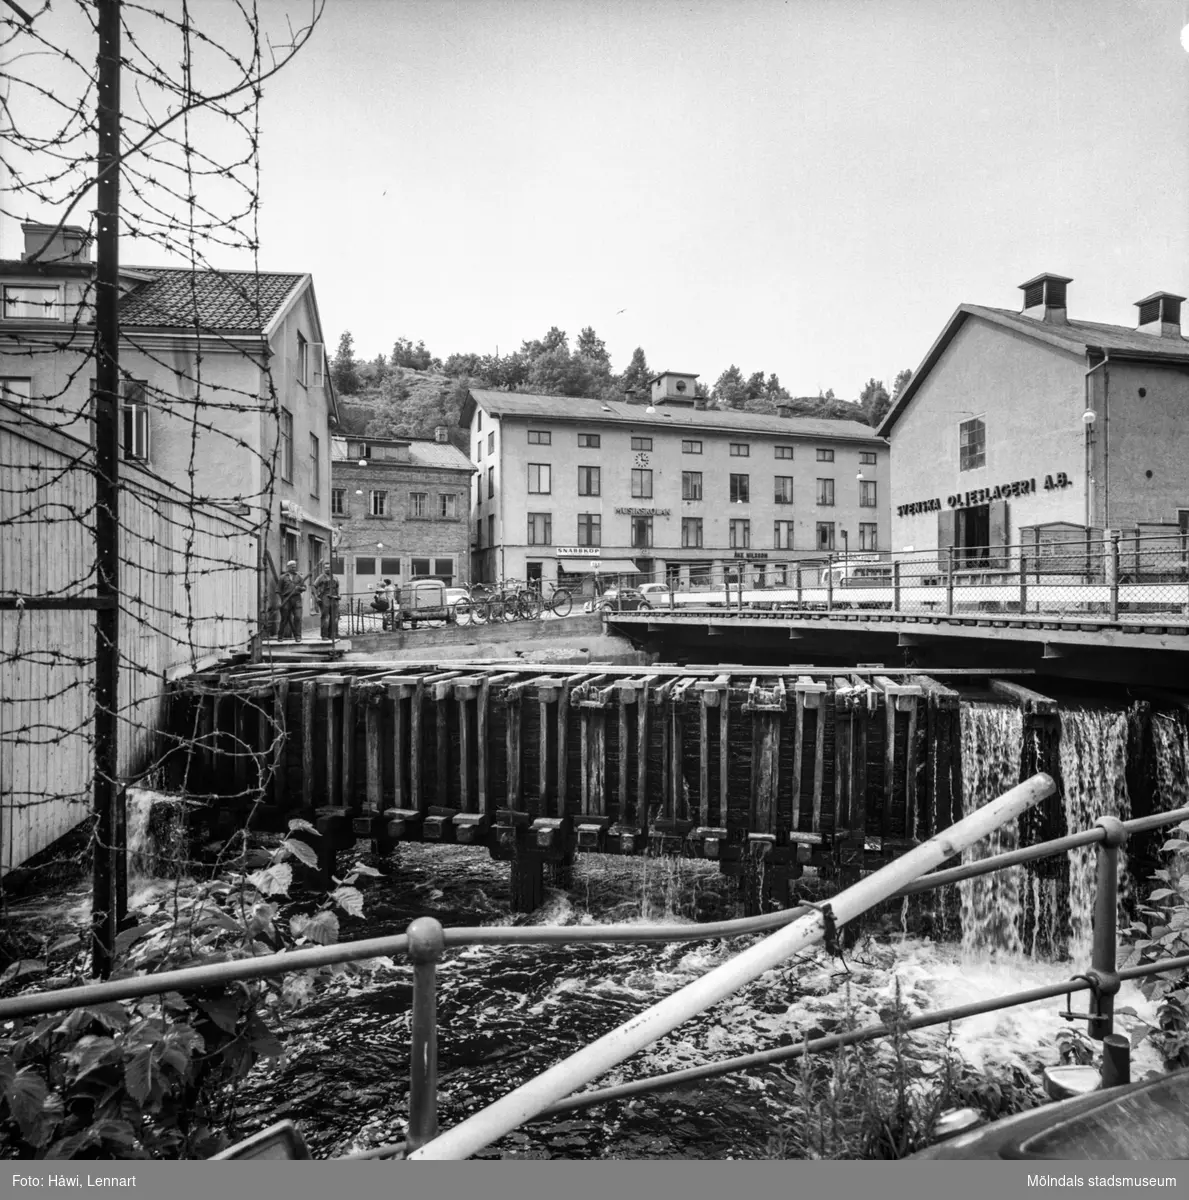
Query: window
[(336, 566), (784, 452), (540, 479), (134, 421), (491, 442), (491, 530), (782, 535), (868, 535), (365, 566), (590, 529), (783, 489), (479, 450), (972, 444), (490, 482), (540, 437), (740, 489), (590, 481), (740, 450), (16, 391), (478, 419), (691, 485), (338, 502), (286, 445), (303, 361), (23, 302), (379, 504), (825, 456), (448, 506), (689, 446), (825, 491), (315, 466), (589, 441), (866, 493), (825, 535), (740, 535), (390, 567), (691, 533), (359, 450), (867, 458), (641, 443), (540, 529), (641, 533), (418, 567), (418, 504), (642, 485), (443, 568)]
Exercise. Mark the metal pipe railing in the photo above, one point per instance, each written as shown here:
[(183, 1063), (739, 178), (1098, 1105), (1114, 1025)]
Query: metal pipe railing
[(593, 1060)]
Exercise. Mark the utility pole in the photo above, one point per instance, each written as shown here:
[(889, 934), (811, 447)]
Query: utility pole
[(109, 866)]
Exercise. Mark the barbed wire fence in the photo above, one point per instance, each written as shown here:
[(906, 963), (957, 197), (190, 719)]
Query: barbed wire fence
[(136, 127)]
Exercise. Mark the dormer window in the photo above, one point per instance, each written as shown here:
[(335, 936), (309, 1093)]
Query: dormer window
[(28, 302), (359, 450)]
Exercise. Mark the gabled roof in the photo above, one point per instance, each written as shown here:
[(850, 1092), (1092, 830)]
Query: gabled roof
[(616, 412), (1076, 337), (423, 452), (224, 301)]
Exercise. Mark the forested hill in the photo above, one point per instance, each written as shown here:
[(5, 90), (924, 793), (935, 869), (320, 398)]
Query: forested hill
[(410, 393)]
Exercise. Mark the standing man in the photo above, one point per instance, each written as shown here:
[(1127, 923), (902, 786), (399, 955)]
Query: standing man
[(289, 589), (326, 595)]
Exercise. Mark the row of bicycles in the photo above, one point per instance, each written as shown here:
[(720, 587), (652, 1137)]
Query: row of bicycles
[(510, 600)]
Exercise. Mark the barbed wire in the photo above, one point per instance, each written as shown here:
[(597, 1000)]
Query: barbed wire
[(206, 398)]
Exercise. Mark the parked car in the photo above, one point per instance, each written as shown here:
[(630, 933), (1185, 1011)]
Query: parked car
[(620, 599), (656, 589), (423, 600)]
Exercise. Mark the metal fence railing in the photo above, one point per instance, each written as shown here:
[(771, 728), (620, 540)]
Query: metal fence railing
[(426, 941)]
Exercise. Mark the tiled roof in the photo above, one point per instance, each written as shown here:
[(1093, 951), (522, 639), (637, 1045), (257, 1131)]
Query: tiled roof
[(212, 300), (1077, 336), (439, 455), (616, 412)]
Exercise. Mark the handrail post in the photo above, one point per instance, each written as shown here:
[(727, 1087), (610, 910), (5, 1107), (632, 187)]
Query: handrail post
[(896, 586), (829, 583), (949, 582), (1102, 961), (799, 598), (1113, 568), (1023, 580), (426, 942)]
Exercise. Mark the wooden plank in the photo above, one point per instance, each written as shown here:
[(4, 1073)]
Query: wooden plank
[(1026, 698), (332, 688), (627, 696), (819, 762), (417, 800), (798, 758), (281, 740), (889, 765), (466, 750), (483, 737), (350, 799), (373, 766), (911, 767), (514, 798), (309, 703), (704, 758), (442, 701)]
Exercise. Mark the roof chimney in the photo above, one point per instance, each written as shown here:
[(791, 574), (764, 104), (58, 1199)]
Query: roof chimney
[(1160, 314), (700, 403), (441, 433), (1044, 298), (70, 244), (784, 410)]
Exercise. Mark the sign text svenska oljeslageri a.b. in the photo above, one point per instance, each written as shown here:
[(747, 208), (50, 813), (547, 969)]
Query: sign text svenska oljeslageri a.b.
[(1003, 491)]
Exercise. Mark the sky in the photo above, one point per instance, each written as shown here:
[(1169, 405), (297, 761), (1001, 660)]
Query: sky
[(807, 187)]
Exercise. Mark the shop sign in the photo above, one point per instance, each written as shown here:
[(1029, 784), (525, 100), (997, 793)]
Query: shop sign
[(292, 513), (751, 555), (644, 512), (976, 496), (578, 552)]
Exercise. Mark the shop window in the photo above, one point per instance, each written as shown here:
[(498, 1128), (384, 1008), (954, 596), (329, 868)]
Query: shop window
[(390, 567), (336, 566), (443, 568), (972, 444), (365, 566), (419, 567)]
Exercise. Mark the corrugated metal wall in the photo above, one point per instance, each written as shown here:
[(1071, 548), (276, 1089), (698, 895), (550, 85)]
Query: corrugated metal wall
[(188, 585)]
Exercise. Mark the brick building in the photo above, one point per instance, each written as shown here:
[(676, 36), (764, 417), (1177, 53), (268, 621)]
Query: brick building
[(399, 508)]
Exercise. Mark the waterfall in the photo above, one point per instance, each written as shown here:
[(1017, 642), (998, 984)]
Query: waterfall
[(992, 737), (1093, 771), (1170, 739)]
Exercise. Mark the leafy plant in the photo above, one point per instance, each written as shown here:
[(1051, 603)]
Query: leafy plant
[(1162, 933), (155, 1077)]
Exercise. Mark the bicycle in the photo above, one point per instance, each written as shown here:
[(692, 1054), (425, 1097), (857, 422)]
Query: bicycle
[(559, 601)]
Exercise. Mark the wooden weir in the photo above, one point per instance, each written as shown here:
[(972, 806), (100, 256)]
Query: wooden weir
[(791, 767)]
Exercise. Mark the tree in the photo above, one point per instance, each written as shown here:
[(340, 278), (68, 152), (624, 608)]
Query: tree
[(903, 379), (874, 401), (593, 348), (730, 390), (413, 358), (637, 377), (344, 370)]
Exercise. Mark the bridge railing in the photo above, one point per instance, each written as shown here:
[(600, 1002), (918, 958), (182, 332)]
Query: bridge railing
[(426, 941), (1124, 576)]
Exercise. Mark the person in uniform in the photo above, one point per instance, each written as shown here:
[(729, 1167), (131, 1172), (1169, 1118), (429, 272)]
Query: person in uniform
[(289, 589), (326, 595)]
